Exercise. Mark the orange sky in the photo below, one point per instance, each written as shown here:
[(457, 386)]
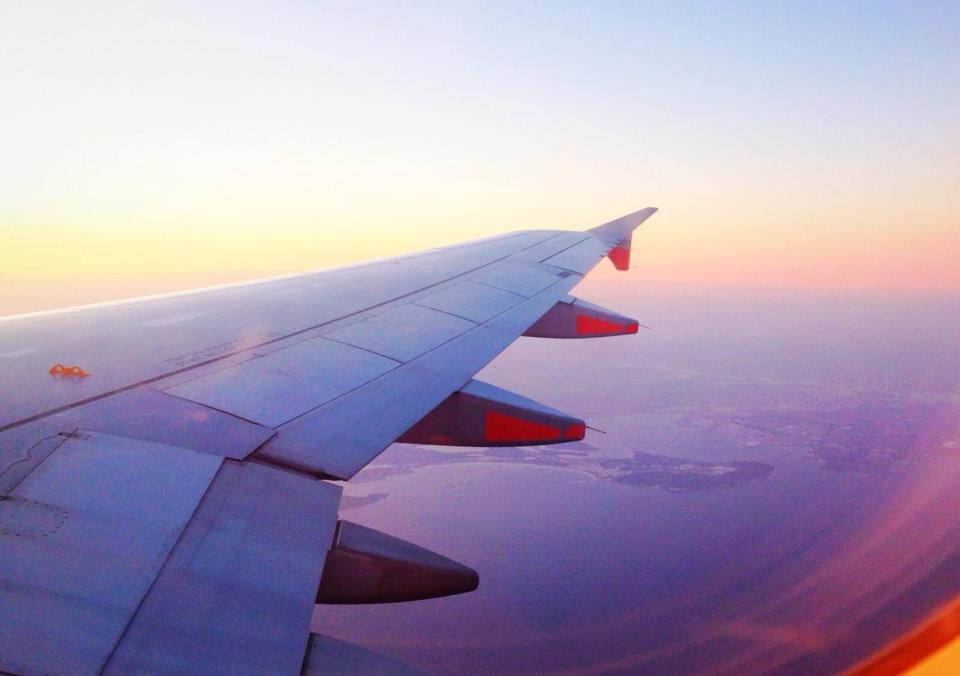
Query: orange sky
[(50, 266), (807, 146)]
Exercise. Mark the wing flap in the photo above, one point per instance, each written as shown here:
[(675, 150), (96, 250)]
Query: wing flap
[(237, 593), (83, 538)]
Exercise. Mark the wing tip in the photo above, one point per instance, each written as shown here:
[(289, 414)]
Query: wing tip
[(618, 233), (619, 229)]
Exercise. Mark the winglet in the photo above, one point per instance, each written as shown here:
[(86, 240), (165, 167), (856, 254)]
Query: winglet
[(617, 235)]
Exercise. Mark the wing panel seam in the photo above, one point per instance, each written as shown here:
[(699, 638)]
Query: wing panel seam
[(419, 357), (557, 253), (163, 566), (154, 379)]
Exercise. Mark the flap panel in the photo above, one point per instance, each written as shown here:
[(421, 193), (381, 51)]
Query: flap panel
[(82, 538), (238, 591)]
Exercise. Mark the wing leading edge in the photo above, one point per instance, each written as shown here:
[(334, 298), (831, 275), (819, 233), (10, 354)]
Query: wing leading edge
[(173, 507)]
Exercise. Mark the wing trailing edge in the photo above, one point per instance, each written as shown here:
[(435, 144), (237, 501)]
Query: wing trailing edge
[(480, 414)]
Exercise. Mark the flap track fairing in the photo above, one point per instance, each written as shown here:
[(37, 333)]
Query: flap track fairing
[(480, 414), (575, 318), (367, 566)]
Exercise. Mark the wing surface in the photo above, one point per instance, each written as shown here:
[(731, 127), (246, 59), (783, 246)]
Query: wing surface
[(165, 500)]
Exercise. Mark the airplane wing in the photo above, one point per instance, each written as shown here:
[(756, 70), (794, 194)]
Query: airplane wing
[(168, 465)]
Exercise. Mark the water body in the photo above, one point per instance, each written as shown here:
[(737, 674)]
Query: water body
[(775, 490)]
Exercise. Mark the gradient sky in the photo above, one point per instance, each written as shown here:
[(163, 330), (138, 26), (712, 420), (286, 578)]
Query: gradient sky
[(153, 146)]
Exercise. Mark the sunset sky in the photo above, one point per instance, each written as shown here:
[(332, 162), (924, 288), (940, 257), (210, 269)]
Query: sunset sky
[(149, 147)]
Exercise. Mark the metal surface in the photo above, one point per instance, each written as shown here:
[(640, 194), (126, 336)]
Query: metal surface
[(154, 337), (620, 230), (165, 419), (551, 247), (23, 448), (238, 590), (403, 333), (476, 302), (285, 384), (340, 438), (82, 538), (525, 280), (580, 257)]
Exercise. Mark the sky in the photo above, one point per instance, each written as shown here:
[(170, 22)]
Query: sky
[(149, 147)]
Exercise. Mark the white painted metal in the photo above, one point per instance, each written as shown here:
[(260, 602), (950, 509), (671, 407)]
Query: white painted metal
[(476, 302), (551, 247), (112, 343), (524, 279), (581, 257), (283, 385), (403, 333), (162, 418), (237, 592), (340, 438), (82, 538)]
